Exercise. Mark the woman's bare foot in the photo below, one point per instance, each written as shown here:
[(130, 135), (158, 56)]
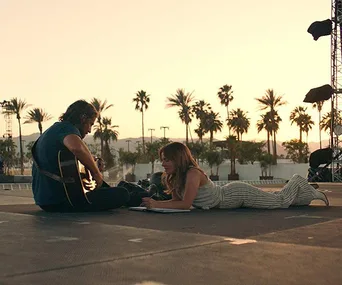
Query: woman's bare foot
[(322, 196)]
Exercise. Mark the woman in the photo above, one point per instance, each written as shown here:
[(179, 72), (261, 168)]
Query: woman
[(190, 186)]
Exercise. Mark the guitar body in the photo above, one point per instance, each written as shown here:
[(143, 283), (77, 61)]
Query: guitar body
[(69, 166)]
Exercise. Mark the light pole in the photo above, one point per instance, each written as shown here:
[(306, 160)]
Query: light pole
[(151, 133), (164, 127), (23, 142), (128, 141)]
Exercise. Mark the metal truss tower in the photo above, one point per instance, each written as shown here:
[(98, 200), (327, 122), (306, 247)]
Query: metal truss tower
[(8, 119), (336, 84), (8, 123)]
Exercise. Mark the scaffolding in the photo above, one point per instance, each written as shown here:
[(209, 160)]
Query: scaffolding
[(8, 125), (336, 84), (8, 119)]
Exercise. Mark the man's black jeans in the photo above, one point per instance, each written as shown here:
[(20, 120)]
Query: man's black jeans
[(102, 199)]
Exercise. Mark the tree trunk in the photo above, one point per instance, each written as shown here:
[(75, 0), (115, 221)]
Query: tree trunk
[(233, 169), (152, 170), (186, 134), (300, 139), (274, 148), (40, 127), (319, 128), (268, 143), (189, 130), (109, 161), (228, 118), (21, 150), (142, 128), (101, 143), (101, 136)]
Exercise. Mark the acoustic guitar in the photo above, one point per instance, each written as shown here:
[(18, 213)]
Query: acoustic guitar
[(82, 183)]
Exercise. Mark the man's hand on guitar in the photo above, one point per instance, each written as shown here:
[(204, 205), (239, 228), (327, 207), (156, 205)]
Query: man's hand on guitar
[(99, 179), (88, 184)]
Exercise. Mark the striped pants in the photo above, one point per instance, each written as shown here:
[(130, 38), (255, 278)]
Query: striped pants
[(296, 192)]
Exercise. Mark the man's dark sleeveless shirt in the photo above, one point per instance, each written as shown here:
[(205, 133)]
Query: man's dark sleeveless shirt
[(47, 191)]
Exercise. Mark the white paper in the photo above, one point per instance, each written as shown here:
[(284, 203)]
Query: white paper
[(158, 210)]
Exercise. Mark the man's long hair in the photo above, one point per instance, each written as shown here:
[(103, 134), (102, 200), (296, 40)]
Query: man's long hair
[(181, 156), (77, 111)]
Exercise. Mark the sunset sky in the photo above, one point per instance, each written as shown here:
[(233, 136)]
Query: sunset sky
[(54, 52)]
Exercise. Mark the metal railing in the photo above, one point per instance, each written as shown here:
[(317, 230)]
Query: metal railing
[(15, 186)]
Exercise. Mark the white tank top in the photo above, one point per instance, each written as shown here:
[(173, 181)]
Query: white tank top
[(208, 196)]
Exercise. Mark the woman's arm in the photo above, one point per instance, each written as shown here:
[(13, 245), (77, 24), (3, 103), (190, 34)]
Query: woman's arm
[(75, 144), (174, 198), (193, 181)]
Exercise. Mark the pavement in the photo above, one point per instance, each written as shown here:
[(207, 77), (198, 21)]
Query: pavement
[(299, 245)]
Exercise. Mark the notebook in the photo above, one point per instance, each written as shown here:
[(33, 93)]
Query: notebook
[(158, 210)]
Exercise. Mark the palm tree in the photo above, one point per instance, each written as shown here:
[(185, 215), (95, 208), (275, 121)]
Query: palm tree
[(37, 115), (200, 131), (201, 109), (271, 101), (297, 116), (100, 108), (152, 149), (17, 106), (141, 102), (307, 125), (319, 106), (266, 124), (212, 124), (182, 100), (303, 121), (225, 95), (107, 134), (239, 122), (7, 153), (232, 148)]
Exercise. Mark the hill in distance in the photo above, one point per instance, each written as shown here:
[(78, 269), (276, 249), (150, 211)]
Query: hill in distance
[(133, 142)]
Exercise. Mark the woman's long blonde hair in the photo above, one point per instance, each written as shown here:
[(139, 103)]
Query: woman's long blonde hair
[(182, 158)]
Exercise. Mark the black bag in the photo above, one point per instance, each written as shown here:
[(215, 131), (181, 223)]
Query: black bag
[(136, 193)]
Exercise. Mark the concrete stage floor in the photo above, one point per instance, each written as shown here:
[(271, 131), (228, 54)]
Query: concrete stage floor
[(299, 245)]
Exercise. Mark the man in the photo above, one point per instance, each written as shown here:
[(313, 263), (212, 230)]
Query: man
[(67, 135)]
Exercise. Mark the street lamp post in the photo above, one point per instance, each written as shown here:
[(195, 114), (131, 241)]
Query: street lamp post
[(164, 127), (23, 142), (151, 133), (128, 141)]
